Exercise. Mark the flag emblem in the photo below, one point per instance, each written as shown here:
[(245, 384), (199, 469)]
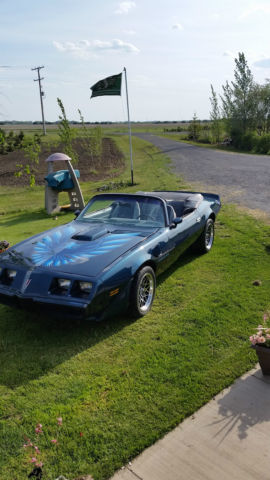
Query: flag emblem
[(107, 86)]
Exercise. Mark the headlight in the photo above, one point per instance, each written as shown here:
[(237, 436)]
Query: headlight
[(63, 283), (85, 287), (11, 274)]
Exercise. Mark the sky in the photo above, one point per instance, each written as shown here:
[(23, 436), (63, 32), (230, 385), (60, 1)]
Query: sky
[(173, 51)]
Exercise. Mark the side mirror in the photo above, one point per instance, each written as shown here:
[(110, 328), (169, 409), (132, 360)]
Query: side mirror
[(176, 221), (77, 213)]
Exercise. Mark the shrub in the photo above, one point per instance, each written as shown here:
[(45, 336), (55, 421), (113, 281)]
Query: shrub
[(31, 148), (249, 141), (236, 136), (10, 142), (263, 143)]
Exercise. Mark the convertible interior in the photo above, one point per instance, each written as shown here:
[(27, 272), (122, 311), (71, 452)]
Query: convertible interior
[(179, 204), (144, 211)]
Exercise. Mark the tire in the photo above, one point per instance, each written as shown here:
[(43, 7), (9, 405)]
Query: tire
[(142, 292), (206, 239)]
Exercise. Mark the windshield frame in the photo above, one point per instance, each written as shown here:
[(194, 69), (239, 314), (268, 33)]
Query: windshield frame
[(122, 197)]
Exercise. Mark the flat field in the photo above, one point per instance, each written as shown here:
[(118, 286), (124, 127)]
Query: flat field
[(122, 384)]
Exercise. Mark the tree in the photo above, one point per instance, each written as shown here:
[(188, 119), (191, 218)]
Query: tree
[(215, 126), (262, 93), (244, 101), (194, 128), (239, 99), (32, 148), (227, 107), (65, 133)]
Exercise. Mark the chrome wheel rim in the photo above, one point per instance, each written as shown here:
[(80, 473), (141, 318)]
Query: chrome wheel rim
[(209, 236), (145, 292)]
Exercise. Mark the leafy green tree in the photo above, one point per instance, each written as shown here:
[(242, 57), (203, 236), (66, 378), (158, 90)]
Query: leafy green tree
[(66, 133), (194, 128), (239, 99), (31, 148), (262, 93), (243, 90), (215, 125), (227, 107)]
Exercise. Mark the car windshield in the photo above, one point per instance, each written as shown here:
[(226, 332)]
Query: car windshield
[(124, 211)]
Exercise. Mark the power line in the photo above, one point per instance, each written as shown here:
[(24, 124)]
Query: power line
[(41, 94)]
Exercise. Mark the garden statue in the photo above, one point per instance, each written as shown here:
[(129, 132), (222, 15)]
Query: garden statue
[(62, 181)]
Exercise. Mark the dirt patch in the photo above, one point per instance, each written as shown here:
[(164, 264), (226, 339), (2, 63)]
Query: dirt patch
[(108, 165)]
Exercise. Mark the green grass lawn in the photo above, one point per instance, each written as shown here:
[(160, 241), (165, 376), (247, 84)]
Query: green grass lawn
[(122, 384)]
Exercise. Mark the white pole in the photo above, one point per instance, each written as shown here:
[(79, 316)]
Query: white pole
[(129, 128)]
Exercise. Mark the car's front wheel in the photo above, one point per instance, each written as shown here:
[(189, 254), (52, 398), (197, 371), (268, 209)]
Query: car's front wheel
[(143, 291)]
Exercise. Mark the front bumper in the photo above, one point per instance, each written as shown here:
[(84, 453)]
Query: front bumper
[(96, 308), (45, 306)]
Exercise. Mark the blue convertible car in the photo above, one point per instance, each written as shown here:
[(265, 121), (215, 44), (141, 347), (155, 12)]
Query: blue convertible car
[(107, 259)]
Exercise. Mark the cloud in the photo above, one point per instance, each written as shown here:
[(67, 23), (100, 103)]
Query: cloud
[(215, 16), (263, 8), (177, 26), (143, 81), (125, 7), (10, 67), (129, 32), (230, 54), (86, 49), (264, 63), (5, 85)]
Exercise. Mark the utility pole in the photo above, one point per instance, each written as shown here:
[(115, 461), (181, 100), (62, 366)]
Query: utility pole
[(41, 93)]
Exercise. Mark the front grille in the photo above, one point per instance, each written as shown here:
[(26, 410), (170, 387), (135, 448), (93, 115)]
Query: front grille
[(67, 311)]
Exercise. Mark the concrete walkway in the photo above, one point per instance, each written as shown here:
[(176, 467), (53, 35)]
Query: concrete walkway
[(227, 439)]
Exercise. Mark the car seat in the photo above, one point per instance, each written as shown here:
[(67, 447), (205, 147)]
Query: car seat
[(171, 213), (125, 210), (192, 202)]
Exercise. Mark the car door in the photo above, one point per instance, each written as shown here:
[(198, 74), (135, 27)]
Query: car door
[(184, 234)]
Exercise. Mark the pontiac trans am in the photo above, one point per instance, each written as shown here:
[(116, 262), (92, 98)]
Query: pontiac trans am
[(106, 260)]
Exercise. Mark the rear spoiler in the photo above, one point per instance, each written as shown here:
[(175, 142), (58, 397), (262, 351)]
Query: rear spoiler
[(208, 196), (211, 196)]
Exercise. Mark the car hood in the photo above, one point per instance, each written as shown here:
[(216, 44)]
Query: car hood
[(75, 248)]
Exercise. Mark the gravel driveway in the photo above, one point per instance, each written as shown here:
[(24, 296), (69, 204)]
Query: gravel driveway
[(237, 177)]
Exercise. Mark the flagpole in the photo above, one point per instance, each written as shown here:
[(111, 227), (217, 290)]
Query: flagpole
[(129, 128)]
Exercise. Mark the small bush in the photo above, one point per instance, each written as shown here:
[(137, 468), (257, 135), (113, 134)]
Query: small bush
[(249, 141), (10, 142), (236, 136), (205, 136), (263, 144)]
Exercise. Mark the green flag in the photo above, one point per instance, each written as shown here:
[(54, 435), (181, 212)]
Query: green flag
[(107, 86)]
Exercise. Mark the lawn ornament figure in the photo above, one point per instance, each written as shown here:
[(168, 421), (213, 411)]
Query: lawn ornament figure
[(62, 181)]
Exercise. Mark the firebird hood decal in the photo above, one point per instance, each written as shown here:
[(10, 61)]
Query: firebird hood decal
[(58, 249), (76, 248)]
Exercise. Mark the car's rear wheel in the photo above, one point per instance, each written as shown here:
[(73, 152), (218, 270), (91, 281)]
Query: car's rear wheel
[(206, 239), (143, 292)]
